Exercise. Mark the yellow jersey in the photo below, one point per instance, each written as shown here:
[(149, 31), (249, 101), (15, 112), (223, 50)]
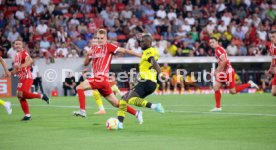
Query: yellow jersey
[(145, 67)]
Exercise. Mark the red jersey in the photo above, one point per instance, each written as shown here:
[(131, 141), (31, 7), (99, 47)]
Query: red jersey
[(220, 51), (23, 73), (101, 56), (272, 50)]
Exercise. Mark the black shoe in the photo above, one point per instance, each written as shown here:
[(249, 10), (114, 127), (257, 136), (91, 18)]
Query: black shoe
[(46, 98), (26, 118)]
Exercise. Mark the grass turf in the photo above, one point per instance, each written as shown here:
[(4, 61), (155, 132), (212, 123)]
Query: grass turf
[(248, 121)]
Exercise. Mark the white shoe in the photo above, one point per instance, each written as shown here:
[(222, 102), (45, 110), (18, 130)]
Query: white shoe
[(80, 113), (120, 126), (253, 85), (7, 105), (139, 116), (216, 109)]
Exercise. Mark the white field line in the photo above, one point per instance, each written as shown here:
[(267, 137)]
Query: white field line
[(170, 111)]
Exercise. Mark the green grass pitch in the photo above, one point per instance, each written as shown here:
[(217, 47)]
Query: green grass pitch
[(248, 121)]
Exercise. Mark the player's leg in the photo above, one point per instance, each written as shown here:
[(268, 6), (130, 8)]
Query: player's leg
[(163, 87), (216, 88), (273, 89), (99, 102), (168, 87), (135, 97), (236, 89), (116, 90), (181, 87), (24, 91), (7, 106), (85, 85)]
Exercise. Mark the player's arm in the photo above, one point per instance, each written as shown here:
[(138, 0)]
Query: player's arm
[(222, 64), (270, 70), (3, 63), (130, 52), (28, 62), (156, 66), (87, 60)]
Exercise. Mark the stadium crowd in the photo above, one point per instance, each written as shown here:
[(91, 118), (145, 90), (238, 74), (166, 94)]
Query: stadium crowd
[(63, 28)]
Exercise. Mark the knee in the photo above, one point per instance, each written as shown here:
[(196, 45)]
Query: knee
[(233, 91), (19, 95), (79, 87)]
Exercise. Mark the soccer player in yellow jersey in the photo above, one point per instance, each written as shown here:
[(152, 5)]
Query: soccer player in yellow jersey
[(166, 70), (7, 105), (148, 69)]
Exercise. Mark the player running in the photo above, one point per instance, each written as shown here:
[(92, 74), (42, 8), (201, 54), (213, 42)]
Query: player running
[(225, 74), (148, 69), (272, 68), (101, 56), (6, 104), (22, 63)]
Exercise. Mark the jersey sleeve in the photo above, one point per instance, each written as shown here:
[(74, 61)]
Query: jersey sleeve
[(220, 52), (24, 55), (112, 48)]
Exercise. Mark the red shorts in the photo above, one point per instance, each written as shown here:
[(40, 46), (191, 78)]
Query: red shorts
[(227, 78), (101, 84), (274, 80), (24, 84)]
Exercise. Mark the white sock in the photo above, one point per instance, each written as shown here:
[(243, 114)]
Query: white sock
[(82, 110), (153, 106), (28, 115), (101, 108)]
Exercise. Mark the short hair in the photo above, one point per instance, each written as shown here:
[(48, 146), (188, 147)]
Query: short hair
[(213, 38), (148, 36), (272, 31), (101, 31)]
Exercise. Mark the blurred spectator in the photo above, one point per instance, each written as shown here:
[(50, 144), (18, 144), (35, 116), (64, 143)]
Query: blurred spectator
[(69, 85), (37, 78), (42, 27), (13, 35), (232, 49), (166, 85)]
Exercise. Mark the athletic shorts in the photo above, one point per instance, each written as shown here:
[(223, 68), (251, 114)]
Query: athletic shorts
[(101, 84), (227, 78), (24, 84), (274, 80), (145, 88)]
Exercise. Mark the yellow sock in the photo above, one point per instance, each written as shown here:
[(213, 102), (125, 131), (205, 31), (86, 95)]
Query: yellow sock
[(97, 96), (122, 108), (2, 102), (137, 101), (116, 90)]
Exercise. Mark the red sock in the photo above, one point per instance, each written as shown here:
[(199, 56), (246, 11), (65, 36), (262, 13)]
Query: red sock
[(29, 95), (242, 87), (131, 110), (217, 97), (24, 106), (81, 98)]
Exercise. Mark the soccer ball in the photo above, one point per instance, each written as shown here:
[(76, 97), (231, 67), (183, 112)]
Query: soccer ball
[(112, 123)]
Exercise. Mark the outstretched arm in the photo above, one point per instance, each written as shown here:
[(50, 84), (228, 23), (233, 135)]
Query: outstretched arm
[(130, 52), (4, 66)]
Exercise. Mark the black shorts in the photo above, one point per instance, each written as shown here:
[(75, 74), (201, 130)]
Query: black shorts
[(145, 88)]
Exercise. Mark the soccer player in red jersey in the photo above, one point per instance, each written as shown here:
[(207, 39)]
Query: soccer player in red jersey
[(225, 74), (22, 63), (272, 68), (101, 56)]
